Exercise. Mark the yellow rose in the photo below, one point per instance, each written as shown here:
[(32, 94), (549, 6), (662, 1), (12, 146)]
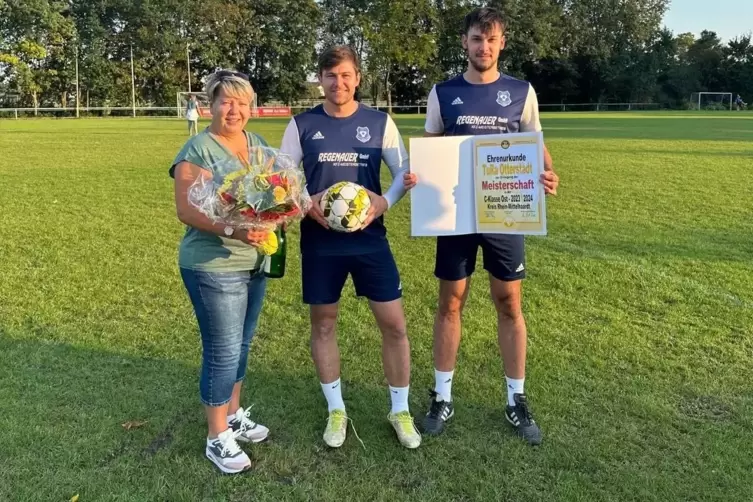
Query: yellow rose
[(269, 246), (279, 194)]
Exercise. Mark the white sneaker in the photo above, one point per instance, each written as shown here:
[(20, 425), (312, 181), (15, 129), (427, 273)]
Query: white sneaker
[(337, 425), (225, 453), (245, 429), (406, 430)]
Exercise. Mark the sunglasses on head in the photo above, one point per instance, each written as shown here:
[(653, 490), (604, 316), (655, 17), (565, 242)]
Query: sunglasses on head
[(227, 73)]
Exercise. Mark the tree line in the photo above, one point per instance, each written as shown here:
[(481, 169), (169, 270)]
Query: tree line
[(573, 51)]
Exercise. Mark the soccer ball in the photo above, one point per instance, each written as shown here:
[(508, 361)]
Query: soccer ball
[(345, 206)]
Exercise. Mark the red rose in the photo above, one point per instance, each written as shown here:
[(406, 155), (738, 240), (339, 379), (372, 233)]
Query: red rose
[(248, 212)]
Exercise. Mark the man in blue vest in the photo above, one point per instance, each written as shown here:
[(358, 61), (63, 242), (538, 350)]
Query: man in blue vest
[(483, 101), (343, 140)]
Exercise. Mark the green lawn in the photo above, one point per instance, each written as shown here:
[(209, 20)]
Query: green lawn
[(639, 305)]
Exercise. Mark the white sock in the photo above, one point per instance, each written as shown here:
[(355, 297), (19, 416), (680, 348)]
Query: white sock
[(399, 396), (514, 386), (443, 384), (221, 434), (232, 417), (333, 394)]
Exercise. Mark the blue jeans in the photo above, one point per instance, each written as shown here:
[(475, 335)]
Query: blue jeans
[(227, 307)]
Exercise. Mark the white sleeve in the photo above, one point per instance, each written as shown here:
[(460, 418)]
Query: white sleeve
[(396, 158), (434, 124), (529, 120), (291, 142)]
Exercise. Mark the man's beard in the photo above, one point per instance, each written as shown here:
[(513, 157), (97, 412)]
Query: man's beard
[(479, 68)]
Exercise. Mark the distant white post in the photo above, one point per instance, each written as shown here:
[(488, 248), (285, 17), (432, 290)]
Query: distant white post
[(133, 85), (188, 66), (77, 93)]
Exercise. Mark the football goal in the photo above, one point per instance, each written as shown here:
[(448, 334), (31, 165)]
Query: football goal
[(711, 100)]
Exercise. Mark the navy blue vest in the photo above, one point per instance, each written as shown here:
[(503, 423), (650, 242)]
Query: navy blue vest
[(342, 149), (471, 109)]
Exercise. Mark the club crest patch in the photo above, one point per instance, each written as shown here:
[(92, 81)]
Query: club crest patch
[(362, 134), (503, 98)]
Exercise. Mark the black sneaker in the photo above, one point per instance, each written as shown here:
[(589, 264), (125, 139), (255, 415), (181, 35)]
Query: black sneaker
[(440, 411), (520, 417)]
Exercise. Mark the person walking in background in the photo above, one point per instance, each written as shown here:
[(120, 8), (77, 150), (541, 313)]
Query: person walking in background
[(192, 115)]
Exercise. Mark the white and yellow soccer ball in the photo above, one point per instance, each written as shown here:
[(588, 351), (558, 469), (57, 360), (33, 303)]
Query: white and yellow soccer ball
[(345, 206)]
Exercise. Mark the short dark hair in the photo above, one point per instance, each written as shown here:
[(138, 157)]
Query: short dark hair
[(337, 54), (485, 18)]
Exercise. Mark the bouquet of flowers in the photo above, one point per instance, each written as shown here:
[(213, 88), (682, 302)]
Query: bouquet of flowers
[(263, 193)]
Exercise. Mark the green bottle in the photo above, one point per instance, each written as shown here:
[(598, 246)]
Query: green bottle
[(274, 266)]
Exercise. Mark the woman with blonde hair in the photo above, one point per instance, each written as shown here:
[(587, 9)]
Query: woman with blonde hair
[(221, 271)]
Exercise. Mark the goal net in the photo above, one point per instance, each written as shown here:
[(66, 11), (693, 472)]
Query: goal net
[(711, 101), (205, 111)]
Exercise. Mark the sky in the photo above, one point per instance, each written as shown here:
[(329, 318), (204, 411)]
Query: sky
[(728, 18)]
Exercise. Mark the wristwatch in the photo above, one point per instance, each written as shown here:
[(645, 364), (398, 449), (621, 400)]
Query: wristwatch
[(229, 231)]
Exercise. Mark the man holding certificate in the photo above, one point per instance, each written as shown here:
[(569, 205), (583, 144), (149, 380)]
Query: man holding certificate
[(483, 101)]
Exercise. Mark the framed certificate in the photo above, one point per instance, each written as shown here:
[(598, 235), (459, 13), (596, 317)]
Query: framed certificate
[(509, 196), (478, 184)]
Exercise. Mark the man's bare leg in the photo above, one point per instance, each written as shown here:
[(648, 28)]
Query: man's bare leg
[(512, 337)]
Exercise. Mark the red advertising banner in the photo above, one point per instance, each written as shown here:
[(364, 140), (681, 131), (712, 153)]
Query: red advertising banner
[(261, 111), (273, 111)]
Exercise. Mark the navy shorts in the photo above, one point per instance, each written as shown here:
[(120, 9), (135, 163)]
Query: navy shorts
[(504, 256), (375, 276)]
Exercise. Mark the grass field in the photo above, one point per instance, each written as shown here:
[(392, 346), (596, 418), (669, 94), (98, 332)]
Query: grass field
[(639, 305)]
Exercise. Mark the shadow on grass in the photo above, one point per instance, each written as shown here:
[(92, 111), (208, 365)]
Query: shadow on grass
[(62, 410), (119, 427)]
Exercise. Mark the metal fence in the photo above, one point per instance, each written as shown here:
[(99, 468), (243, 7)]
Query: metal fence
[(173, 111), (93, 111)]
